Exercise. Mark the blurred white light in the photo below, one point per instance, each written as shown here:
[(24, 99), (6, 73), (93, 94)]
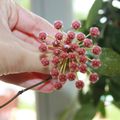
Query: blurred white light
[(105, 0), (102, 98), (82, 6), (28, 97), (103, 20), (100, 11), (84, 77), (81, 76), (116, 4), (109, 98)]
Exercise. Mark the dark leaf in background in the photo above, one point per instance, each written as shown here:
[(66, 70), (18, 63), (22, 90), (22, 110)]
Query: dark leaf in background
[(87, 112), (98, 90), (114, 88), (93, 16), (117, 104), (116, 80), (110, 63), (110, 69), (114, 37), (85, 98), (111, 38), (101, 109)]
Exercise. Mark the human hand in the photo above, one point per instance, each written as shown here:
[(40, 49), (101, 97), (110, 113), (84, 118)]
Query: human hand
[(19, 54)]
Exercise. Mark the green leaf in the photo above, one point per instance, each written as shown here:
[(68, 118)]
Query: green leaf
[(115, 80), (114, 88), (111, 37), (93, 16), (101, 109), (117, 104), (110, 63), (63, 115), (68, 113), (114, 37), (84, 98), (87, 112), (114, 12), (98, 89)]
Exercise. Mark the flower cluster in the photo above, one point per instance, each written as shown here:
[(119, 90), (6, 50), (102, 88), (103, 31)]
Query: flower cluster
[(73, 52)]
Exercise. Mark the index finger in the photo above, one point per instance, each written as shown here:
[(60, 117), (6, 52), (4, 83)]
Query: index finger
[(32, 24)]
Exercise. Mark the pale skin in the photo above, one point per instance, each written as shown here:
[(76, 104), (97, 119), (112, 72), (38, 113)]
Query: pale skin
[(19, 53)]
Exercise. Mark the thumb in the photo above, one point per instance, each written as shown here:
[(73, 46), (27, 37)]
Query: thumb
[(16, 59), (32, 63)]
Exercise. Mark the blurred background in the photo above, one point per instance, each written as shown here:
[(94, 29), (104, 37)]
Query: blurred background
[(101, 101)]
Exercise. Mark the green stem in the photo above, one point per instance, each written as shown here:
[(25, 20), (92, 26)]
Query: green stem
[(51, 37), (64, 69), (87, 35)]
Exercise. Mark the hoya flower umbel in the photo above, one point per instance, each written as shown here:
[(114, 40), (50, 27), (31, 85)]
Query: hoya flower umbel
[(71, 54)]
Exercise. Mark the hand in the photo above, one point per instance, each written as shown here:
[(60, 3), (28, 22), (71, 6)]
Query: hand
[(19, 54)]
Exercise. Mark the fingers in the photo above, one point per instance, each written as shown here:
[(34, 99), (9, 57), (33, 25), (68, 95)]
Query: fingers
[(15, 59), (4, 33), (26, 41), (32, 24), (29, 79), (32, 63)]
